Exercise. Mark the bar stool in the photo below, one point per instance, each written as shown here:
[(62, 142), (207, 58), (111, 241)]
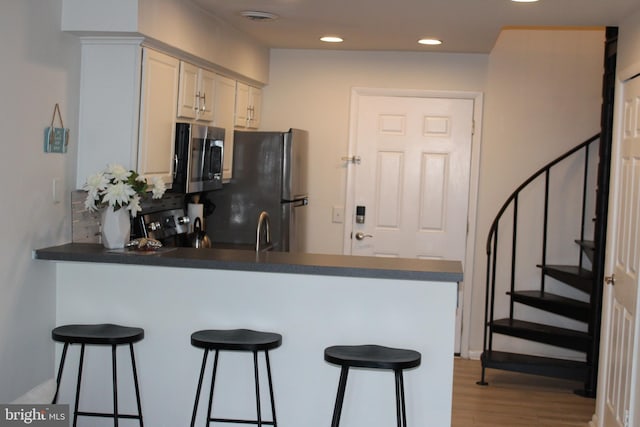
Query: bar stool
[(100, 334), (235, 340), (376, 357)]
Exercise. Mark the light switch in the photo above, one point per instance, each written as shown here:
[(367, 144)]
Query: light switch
[(337, 214)]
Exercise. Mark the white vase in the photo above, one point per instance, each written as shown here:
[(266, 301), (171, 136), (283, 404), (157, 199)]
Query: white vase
[(116, 227)]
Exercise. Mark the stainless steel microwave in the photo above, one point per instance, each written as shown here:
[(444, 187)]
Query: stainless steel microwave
[(199, 153)]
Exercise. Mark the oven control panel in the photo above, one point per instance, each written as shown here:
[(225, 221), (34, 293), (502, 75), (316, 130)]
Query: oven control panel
[(165, 224)]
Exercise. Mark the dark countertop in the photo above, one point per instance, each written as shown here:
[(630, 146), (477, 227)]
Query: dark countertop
[(270, 262)]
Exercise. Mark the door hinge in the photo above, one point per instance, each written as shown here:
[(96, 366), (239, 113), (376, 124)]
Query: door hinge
[(473, 127)]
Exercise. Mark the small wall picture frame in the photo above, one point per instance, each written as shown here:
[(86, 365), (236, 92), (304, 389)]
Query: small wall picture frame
[(56, 139)]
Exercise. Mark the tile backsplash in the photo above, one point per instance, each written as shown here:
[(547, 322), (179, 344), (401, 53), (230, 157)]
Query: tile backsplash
[(85, 225)]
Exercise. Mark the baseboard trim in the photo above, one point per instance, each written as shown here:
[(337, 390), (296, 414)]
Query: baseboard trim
[(40, 394), (475, 354)]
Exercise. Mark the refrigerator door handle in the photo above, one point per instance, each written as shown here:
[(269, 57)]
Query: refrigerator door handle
[(301, 201)]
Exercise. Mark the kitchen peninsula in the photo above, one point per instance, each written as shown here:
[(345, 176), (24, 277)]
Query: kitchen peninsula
[(313, 300)]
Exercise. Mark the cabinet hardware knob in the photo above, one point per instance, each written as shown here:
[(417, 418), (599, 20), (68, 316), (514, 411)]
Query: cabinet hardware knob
[(196, 105)]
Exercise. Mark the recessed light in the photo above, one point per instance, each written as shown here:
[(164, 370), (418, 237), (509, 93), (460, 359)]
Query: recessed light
[(331, 39), (430, 42), (254, 15)]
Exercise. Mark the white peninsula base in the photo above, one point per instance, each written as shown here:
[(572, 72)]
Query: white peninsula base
[(310, 311)]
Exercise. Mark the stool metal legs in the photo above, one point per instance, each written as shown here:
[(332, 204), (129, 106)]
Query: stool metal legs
[(114, 371), (135, 382), (209, 419), (59, 377), (195, 405), (257, 381), (401, 414), (116, 416), (337, 410), (75, 408), (213, 381), (273, 402), (400, 406)]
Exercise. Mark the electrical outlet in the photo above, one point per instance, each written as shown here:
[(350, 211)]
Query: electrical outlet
[(337, 214)]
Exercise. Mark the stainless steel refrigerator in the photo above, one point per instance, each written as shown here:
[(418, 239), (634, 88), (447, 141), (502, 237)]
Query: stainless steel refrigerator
[(269, 174)]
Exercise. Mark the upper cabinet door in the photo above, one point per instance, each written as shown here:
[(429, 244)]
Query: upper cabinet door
[(242, 104), (206, 95), (187, 100), (255, 107), (160, 76), (224, 118), (248, 106), (197, 93)]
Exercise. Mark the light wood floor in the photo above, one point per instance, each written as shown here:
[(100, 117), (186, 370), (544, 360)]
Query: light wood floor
[(515, 400)]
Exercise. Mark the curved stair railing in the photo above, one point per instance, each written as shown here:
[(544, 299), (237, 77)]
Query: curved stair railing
[(575, 276)]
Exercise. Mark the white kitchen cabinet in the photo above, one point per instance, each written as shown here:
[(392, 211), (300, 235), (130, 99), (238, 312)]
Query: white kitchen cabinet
[(248, 106), (196, 93), (159, 92), (224, 118)]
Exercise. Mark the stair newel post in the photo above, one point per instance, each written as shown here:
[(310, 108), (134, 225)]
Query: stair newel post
[(545, 227), (493, 283), (490, 288), (513, 254), (584, 204)]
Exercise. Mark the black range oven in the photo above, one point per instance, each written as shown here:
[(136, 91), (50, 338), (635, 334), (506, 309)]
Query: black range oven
[(171, 227)]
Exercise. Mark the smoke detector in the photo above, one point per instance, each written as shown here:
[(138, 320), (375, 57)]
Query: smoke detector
[(258, 16)]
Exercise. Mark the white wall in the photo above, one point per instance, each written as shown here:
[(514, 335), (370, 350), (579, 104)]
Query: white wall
[(40, 68), (543, 97), (628, 60), (311, 89)]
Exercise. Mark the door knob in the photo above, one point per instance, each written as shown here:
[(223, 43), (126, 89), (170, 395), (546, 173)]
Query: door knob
[(610, 280), (361, 236)]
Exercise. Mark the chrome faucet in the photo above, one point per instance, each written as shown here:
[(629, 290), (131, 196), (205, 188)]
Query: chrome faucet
[(263, 219)]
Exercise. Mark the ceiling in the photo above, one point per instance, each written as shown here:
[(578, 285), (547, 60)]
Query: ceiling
[(466, 26)]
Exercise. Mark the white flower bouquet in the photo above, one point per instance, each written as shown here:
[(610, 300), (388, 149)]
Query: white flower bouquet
[(120, 188)]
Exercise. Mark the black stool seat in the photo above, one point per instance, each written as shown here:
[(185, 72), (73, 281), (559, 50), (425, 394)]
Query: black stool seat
[(372, 356), (236, 339), (106, 334), (375, 357), (102, 334)]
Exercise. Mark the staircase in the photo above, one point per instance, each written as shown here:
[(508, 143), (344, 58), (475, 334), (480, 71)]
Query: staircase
[(576, 296), (536, 306)]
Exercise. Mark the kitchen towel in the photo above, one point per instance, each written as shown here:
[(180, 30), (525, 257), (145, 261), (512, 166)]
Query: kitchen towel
[(195, 210)]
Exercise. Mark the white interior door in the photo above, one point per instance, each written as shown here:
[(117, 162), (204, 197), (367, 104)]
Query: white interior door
[(623, 252), (412, 179)]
